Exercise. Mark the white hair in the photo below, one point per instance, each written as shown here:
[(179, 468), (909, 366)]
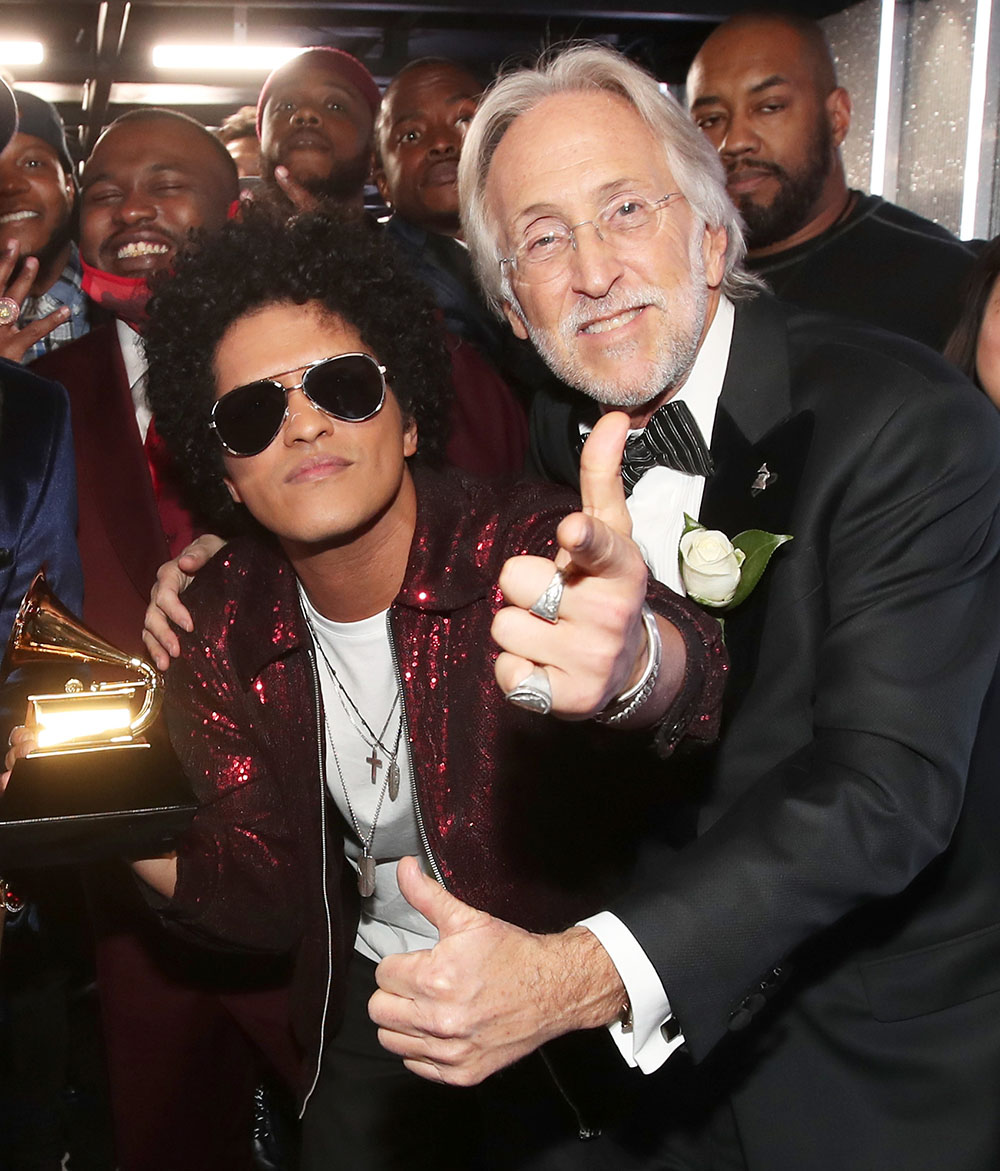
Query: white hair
[(693, 161)]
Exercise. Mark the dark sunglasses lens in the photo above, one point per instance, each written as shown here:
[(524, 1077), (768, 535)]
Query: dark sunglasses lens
[(248, 418), (349, 387)]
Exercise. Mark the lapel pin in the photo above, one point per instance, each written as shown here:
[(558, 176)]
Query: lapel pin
[(763, 479)]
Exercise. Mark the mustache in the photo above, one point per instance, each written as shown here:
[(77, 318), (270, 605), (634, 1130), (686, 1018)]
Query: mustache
[(290, 142), (739, 167), (587, 311)]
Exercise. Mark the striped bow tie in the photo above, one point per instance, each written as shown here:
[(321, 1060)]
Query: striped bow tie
[(671, 439)]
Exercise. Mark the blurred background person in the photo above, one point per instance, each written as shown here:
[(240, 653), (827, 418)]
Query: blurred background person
[(238, 133), (51, 1085), (315, 119), (974, 345), (763, 88), (37, 220), (419, 132), (418, 140)]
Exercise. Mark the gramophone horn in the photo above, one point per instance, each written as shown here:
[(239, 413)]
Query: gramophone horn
[(45, 629)]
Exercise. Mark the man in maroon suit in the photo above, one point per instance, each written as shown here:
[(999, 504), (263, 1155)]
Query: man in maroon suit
[(182, 1073)]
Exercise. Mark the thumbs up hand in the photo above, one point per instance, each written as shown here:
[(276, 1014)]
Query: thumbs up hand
[(488, 992), (597, 648)]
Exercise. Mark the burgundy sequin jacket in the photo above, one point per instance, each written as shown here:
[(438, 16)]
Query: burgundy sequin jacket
[(531, 819)]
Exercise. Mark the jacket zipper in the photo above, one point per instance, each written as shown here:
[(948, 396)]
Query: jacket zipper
[(584, 1131), (421, 829), (317, 708)]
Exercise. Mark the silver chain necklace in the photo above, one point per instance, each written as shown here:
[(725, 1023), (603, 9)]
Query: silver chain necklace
[(366, 863), (374, 742)]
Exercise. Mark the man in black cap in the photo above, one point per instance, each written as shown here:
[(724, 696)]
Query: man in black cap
[(37, 202)]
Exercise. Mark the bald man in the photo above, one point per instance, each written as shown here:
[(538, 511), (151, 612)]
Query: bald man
[(763, 88)]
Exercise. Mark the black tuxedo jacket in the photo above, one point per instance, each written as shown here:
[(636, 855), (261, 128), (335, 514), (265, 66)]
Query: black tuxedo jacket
[(830, 939)]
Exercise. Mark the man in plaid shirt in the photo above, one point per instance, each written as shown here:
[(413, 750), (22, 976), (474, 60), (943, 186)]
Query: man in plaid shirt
[(37, 200)]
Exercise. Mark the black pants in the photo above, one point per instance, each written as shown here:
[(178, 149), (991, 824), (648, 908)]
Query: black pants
[(369, 1112)]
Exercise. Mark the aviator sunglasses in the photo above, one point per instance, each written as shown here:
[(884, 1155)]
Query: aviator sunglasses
[(350, 387)]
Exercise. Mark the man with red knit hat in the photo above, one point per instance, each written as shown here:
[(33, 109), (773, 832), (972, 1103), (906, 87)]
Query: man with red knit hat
[(316, 118)]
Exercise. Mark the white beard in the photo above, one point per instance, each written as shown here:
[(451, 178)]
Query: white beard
[(683, 313)]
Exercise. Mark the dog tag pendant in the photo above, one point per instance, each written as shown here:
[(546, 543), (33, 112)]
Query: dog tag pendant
[(366, 875), (393, 780)]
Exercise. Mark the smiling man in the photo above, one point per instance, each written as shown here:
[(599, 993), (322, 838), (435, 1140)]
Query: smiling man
[(315, 118), (153, 178), (807, 970), (37, 197), (764, 90)]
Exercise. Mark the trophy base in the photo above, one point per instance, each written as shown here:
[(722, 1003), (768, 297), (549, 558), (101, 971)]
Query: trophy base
[(71, 807)]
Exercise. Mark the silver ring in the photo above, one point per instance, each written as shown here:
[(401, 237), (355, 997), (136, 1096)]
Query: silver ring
[(10, 311), (533, 693), (547, 606)]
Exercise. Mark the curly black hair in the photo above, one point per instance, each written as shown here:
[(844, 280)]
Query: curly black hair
[(266, 260)]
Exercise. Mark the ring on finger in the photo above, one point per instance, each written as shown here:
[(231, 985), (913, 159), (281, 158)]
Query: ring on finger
[(547, 605), (533, 693), (10, 311)]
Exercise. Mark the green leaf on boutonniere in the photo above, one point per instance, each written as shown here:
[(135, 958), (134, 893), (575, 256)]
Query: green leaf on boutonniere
[(758, 546)]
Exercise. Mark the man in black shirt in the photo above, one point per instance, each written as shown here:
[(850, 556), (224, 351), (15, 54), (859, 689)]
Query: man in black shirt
[(764, 91)]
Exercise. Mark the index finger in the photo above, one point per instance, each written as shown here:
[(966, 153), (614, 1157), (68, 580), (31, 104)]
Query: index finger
[(20, 286), (302, 199), (601, 487), (18, 344), (8, 258)]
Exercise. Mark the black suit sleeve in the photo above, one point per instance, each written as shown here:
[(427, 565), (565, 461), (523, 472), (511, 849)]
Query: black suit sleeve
[(885, 701)]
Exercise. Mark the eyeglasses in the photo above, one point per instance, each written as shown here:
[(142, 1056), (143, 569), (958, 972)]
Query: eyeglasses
[(350, 387), (625, 221)]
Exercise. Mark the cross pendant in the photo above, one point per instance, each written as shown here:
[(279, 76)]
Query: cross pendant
[(376, 764)]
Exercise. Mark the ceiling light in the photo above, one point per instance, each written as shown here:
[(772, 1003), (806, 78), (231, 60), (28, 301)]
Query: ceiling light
[(21, 52), (215, 57)]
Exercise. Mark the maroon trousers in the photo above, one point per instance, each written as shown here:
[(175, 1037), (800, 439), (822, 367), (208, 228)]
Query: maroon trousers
[(188, 1032)]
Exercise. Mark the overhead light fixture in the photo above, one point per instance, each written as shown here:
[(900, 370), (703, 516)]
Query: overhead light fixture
[(975, 218), (216, 57), (884, 82), (178, 93), (21, 52)]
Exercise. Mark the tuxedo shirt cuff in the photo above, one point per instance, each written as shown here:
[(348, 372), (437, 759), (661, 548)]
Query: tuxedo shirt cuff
[(647, 1045)]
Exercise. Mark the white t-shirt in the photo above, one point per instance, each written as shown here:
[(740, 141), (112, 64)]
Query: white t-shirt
[(361, 655)]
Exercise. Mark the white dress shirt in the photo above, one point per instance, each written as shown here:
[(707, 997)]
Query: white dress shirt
[(134, 358), (657, 506)]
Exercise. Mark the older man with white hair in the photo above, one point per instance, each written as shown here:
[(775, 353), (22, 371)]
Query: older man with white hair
[(823, 949)]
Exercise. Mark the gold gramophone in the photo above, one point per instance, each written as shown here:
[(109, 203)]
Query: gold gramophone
[(78, 719), (94, 785)]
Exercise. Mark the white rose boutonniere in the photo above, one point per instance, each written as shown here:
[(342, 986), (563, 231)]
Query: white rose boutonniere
[(719, 572)]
